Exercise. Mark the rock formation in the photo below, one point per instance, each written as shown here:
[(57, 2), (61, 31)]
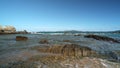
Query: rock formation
[(67, 50), (1, 27), (7, 29)]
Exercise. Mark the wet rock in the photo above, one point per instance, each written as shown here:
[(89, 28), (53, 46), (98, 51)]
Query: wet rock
[(68, 50), (103, 38), (44, 41), (21, 38)]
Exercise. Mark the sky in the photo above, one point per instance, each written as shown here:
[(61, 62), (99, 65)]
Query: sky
[(60, 15)]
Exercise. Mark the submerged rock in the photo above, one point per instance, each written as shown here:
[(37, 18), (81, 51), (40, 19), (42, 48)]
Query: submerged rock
[(21, 38), (44, 41), (103, 38), (78, 35), (66, 40)]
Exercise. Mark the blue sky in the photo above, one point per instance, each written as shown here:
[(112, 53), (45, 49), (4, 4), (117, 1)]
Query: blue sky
[(59, 15)]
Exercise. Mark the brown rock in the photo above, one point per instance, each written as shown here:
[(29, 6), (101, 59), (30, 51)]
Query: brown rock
[(21, 38)]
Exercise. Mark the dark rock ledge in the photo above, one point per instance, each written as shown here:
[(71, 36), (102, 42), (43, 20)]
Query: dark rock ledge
[(102, 38)]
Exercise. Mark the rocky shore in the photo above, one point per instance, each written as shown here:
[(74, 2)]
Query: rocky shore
[(59, 51)]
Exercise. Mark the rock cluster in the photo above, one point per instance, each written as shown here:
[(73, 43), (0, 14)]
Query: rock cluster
[(21, 38), (103, 38)]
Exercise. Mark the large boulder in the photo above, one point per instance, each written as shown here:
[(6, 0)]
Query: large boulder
[(21, 38), (103, 38)]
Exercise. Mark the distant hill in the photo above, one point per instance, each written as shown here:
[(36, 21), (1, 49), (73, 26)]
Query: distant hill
[(70, 31), (75, 31)]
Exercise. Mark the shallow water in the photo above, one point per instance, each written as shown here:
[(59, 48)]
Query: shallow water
[(8, 41)]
